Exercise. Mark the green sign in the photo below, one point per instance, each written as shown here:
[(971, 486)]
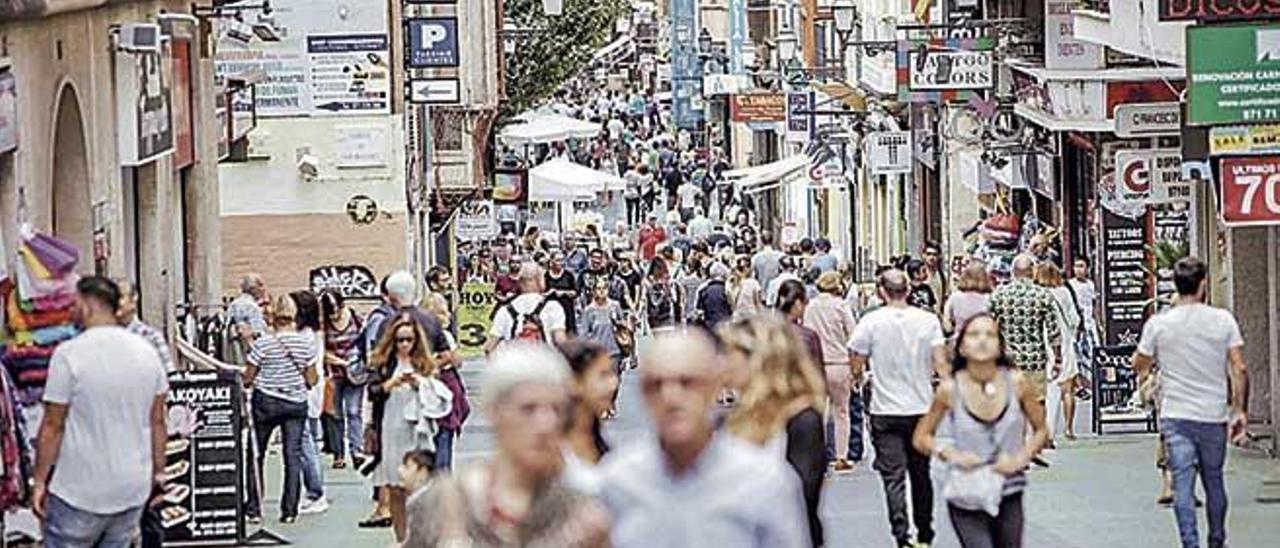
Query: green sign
[(1233, 74)]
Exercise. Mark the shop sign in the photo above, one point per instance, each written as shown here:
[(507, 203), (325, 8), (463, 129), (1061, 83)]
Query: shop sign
[(1125, 285), (1036, 170), (685, 65), (204, 461), (509, 185), (8, 112), (758, 107), (144, 107), (350, 74), (1218, 10), (477, 220), (435, 91), (738, 28), (944, 70), (475, 316), (1145, 91), (362, 146), (889, 152), (1151, 176), (349, 281), (800, 119), (244, 115), (1062, 50), (1244, 140), (432, 42), (1148, 119), (1233, 74), (1250, 190), (183, 135)]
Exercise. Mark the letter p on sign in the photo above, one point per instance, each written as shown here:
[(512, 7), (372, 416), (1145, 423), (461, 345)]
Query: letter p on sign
[(432, 34)]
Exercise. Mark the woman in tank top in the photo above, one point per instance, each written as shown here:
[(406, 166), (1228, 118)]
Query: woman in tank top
[(990, 408)]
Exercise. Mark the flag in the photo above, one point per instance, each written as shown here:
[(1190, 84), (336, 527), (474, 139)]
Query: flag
[(921, 9)]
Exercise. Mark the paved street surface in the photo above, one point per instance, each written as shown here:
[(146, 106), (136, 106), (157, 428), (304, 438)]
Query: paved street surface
[(1099, 492)]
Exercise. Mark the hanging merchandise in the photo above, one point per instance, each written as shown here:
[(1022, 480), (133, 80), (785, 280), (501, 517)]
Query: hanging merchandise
[(37, 308)]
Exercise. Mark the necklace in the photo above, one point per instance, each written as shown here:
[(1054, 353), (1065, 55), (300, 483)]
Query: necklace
[(989, 388)]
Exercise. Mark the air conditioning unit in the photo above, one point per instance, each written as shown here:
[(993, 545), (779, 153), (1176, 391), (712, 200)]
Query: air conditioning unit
[(139, 38)]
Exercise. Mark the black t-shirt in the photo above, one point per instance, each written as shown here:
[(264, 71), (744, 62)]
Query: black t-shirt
[(565, 282), (922, 297)]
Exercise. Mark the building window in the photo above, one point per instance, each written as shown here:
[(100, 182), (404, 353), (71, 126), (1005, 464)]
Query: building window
[(446, 129)]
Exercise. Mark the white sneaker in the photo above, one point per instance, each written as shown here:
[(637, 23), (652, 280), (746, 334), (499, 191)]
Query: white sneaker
[(316, 506)]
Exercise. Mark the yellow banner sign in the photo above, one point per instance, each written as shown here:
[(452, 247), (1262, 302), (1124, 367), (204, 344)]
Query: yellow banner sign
[(1231, 140), (475, 311)]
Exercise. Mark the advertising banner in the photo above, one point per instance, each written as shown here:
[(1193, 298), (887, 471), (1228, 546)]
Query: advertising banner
[(1244, 140), (8, 112), (935, 71), (737, 36), (758, 107), (350, 74), (204, 473), (686, 78), (477, 220), (1062, 51), (799, 116), (1218, 10), (144, 109), (431, 42), (1250, 191), (1148, 119), (1151, 176), (1233, 74), (475, 316), (1125, 287)]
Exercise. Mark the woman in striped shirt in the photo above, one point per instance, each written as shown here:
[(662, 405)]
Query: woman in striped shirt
[(276, 362)]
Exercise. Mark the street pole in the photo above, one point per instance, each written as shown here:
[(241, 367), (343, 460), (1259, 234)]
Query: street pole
[(1270, 492)]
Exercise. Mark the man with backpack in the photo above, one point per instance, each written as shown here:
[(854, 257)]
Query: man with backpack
[(529, 317)]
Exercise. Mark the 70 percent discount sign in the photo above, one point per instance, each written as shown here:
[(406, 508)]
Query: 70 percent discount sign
[(1251, 191)]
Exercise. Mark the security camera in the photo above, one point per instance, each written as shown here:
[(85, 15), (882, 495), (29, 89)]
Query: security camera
[(308, 165), (238, 31)]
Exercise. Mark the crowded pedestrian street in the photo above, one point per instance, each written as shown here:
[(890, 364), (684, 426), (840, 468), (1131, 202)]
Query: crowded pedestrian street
[(637, 273)]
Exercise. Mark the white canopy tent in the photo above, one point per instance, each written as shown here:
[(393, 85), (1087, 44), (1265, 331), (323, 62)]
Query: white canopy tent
[(561, 180), (541, 127)]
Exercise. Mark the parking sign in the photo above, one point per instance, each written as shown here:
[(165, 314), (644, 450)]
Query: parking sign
[(432, 42)]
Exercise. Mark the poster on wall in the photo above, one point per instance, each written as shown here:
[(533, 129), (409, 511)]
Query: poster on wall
[(144, 109), (204, 472), (1250, 190), (477, 220), (8, 112), (1125, 287), (1062, 50), (350, 74), (475, 312)]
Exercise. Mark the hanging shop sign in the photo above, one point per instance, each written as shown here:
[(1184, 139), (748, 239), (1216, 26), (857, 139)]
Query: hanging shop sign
[(432, 42), (738, 28), (686, 68), (889, 152), (944, 70), (799, 116), (183, 134), (144, 108), (1125, 286), (1218, 10), (350, 74), (510, 186), (1151, 176), (350, 281), (1250, 191), (8, 112), (204, 470), (477, 220), (1233, 74), (1244, 140), (1036, 170), (1062, 50), (758, 107), (475, 316), (1148, 119)]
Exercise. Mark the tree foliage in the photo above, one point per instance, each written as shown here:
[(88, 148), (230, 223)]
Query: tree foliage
[(557, 48)]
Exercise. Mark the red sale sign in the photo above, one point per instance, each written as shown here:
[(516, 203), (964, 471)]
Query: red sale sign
[(1251, 190)]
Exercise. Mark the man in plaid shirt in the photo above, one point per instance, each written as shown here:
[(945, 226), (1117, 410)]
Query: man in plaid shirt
[(1027, 314)]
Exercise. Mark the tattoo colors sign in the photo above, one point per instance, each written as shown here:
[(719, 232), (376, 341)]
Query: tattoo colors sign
[(1233, 74), (1218, 10), (944, 70), (1250, 190), (204, 472)]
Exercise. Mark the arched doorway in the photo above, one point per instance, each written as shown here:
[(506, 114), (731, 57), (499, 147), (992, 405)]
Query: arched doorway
[(71, 208)]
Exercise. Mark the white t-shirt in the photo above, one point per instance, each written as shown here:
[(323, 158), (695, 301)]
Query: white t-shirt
[(700, 228), (1086, 296), (108, 378), (1190, 344), (899, 344), (775, 285), (688, 195), (552, 316)]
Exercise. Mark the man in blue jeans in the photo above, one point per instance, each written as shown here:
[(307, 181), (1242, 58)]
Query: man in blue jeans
[(1204, 387)]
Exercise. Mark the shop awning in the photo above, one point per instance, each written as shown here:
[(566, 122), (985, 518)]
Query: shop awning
[(561, 180), (540, 128), (763, 177), (1054, 123), (615, 50), (847, 95)]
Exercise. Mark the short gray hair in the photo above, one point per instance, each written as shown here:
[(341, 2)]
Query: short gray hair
[(401, 287), (248, 282), (519, 363)]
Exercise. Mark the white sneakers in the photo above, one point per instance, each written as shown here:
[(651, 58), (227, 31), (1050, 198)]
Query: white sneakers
[(309, 506)]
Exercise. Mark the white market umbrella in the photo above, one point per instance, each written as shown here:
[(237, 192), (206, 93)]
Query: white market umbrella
[(561, 180), (540, 128)]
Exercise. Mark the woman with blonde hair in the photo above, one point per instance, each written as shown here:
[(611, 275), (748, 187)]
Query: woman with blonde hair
[(1062, 401), (972, 297), (450, 427), (398, 365), (781, 400)]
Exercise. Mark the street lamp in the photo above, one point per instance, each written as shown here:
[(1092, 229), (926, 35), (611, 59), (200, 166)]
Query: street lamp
[(553, 7), (845, 14), (786, 47), (704, 40)]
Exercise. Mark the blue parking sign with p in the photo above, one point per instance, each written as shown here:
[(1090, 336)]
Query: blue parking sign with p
[(433, 42)]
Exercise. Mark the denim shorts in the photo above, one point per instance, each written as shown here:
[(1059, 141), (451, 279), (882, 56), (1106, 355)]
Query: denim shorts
[(68, 527)]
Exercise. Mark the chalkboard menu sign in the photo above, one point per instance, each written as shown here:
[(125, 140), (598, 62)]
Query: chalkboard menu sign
[(205, 463), (1126, 286)]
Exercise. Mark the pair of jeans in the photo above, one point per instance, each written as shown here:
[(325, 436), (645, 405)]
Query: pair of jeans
[(269, 413), (896, 461), (634, 215), (66, 526), (1204, 444), (444, 449), (977, 529), (350, 403), (855, 448), (312, 472)]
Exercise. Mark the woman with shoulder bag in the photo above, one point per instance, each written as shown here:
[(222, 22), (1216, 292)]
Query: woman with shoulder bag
[(989, 407), (279, 375), (342, 329)]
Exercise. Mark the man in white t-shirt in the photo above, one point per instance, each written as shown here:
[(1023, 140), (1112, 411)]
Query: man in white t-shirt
[(904, 347), (530, 316), (101, 447), (1204, 390), (689, 194)]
